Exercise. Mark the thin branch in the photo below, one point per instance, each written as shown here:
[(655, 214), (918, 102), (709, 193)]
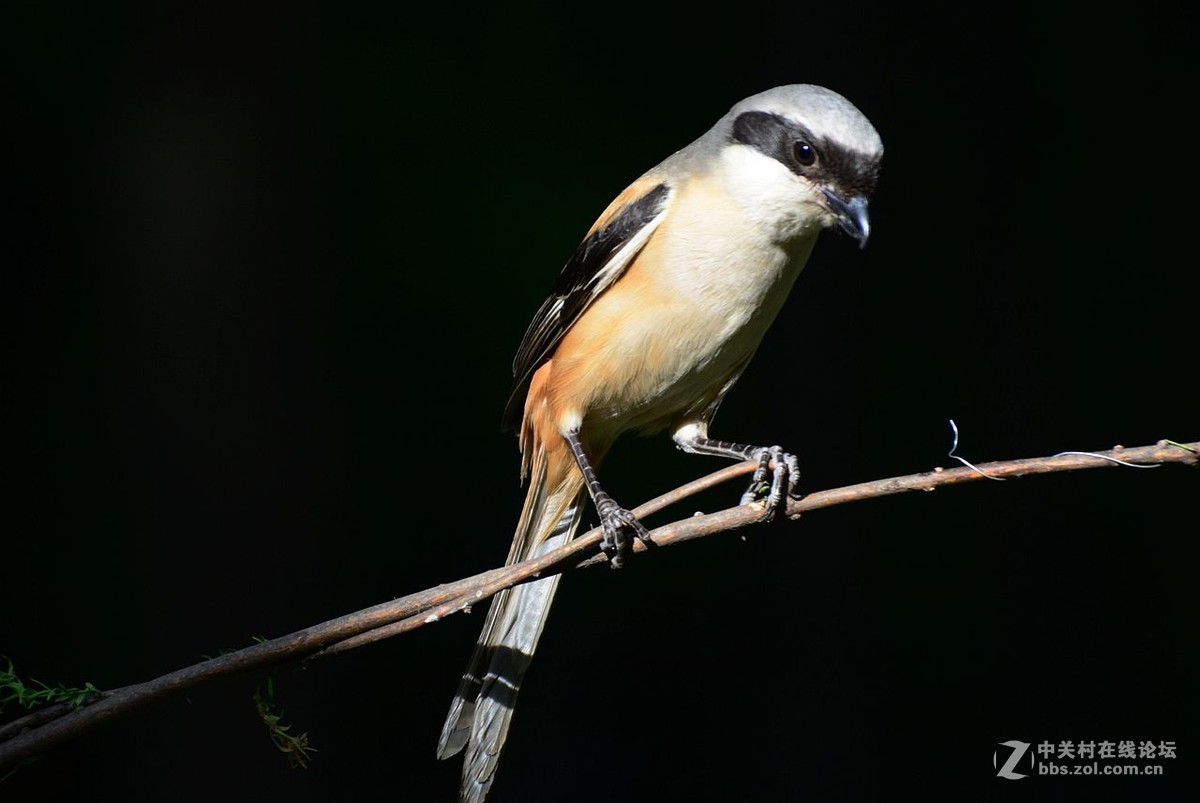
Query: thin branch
[(1159, 454), (31, 735)]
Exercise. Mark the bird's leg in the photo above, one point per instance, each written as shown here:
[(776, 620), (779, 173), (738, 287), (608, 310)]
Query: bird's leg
[(613, 518), (784, 477)]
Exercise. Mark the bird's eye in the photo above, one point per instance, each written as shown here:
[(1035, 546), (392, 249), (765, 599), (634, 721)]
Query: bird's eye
[(805, 154)]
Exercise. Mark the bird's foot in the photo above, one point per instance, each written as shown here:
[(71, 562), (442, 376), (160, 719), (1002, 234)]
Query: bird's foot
[(784, 477), (618, 523)]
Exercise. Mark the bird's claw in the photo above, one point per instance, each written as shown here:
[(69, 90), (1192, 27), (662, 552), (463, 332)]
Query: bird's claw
[(785, 476), (617, 521)]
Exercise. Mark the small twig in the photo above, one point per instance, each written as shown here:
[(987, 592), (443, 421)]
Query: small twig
[(1125, 463), (580, 552), (36, 732), (1161, 453)]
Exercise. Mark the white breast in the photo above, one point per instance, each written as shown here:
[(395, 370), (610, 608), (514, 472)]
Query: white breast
[(732, 251), (698, 300), (722, 278)]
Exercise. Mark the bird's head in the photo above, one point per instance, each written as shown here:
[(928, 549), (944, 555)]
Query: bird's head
[(803, 158)]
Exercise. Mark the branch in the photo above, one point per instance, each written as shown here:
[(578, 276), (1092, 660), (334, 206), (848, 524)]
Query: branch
[(24, 738)]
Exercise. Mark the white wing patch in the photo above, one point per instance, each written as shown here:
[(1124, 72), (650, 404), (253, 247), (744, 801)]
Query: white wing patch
[(621, 258)]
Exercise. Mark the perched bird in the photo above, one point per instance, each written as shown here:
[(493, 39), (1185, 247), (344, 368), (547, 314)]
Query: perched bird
[(649, 325)]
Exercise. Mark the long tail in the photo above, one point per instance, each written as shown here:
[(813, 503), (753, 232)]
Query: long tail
[(483, 707)]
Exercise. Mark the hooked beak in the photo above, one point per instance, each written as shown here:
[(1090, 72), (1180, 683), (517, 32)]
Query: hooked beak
[(851, 215)]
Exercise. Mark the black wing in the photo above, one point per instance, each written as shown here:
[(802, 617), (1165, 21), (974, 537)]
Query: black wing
[(598, 261)]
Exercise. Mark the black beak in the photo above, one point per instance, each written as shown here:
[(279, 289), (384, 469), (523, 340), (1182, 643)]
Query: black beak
[(851, 216)]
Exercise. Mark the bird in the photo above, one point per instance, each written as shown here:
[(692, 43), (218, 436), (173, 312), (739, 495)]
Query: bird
[(650, 323)]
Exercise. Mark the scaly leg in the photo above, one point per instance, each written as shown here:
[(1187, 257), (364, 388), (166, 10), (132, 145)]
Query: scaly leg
[(784, 478), (613, 518)]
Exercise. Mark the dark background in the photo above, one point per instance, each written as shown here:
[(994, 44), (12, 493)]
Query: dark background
[(265, 268)]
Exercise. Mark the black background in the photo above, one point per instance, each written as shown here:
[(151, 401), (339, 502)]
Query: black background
[(266, 267)]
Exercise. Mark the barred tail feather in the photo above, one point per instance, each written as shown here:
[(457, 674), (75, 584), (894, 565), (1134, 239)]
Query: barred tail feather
[(482, 710)]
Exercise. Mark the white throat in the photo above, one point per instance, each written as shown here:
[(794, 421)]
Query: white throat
[(785, 206)]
